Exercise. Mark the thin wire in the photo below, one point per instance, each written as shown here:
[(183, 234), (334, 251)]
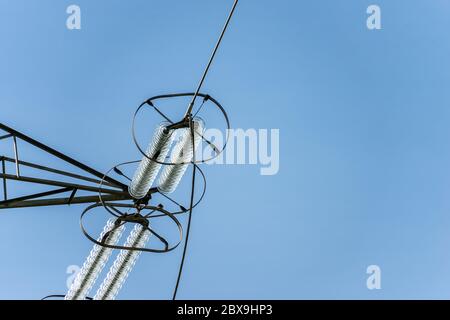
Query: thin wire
[(170, 199), (188, 227), (199, 109), (149, 214), (191, 105), (160, 112), (187, 115)]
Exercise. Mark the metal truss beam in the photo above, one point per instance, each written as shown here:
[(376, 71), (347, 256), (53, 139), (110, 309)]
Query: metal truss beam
[(37, 144), (64, 201)]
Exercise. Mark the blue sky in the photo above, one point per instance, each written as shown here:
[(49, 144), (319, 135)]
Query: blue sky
[(364, 149)]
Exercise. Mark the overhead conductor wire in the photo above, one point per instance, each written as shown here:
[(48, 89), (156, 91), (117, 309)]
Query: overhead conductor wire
[(188, 116)]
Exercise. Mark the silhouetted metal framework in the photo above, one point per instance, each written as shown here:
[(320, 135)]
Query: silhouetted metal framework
[(114, 190), (103, 190)]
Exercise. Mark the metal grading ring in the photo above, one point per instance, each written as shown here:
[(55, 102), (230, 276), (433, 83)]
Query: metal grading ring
[(175, 95), (118, 213), (60, 296), (167, 213)]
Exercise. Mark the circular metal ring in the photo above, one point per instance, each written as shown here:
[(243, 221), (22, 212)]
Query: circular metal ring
[(137, 161), (60, 296), (166, 96), (101, 185), (165, 212)]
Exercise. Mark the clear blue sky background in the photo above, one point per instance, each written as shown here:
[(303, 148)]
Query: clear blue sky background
[(364, 123)]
